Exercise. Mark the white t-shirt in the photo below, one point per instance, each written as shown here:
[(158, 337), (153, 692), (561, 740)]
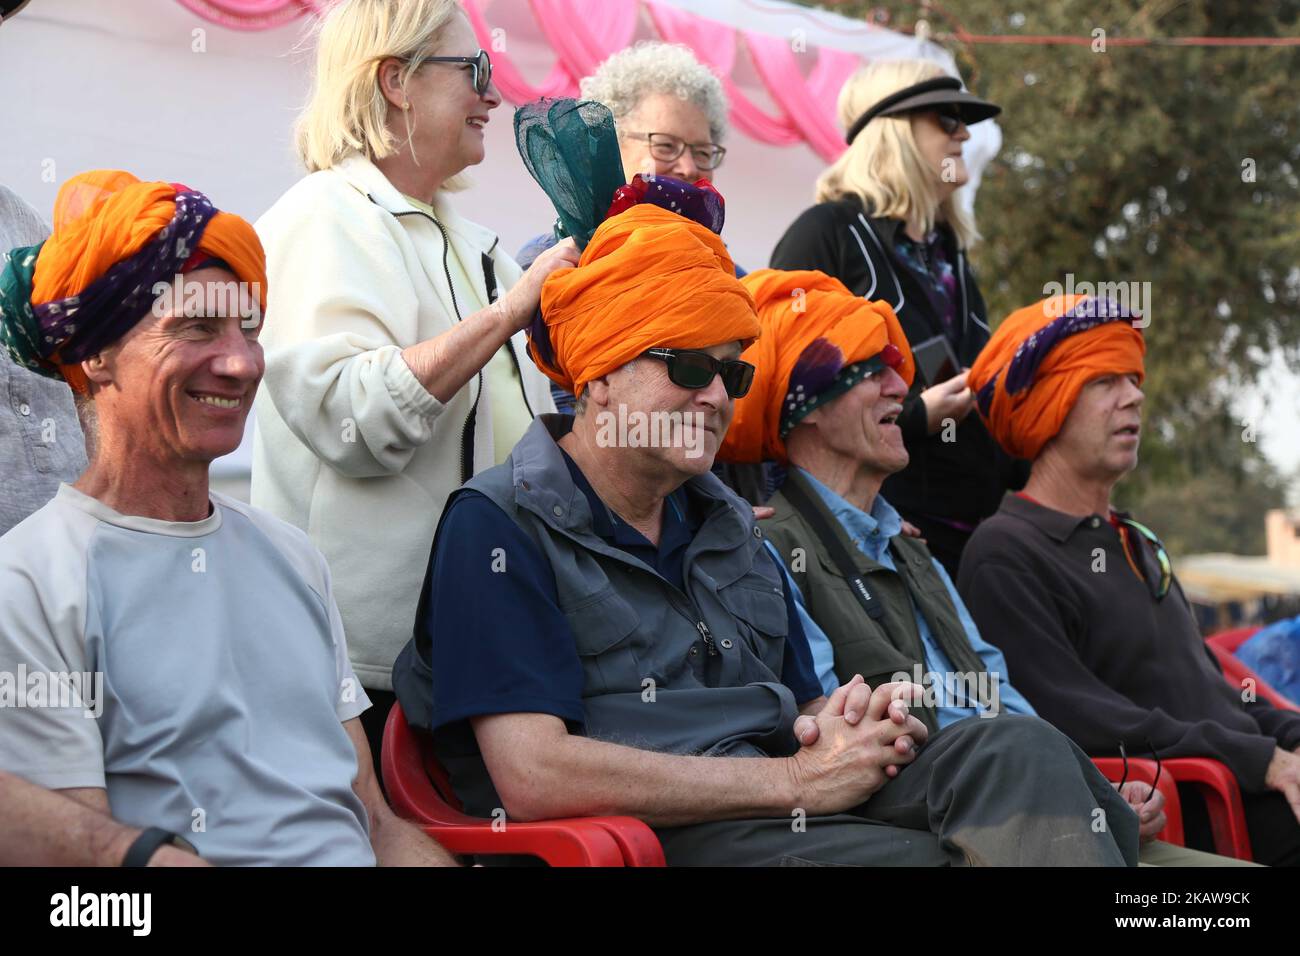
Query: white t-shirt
[(197, 671)]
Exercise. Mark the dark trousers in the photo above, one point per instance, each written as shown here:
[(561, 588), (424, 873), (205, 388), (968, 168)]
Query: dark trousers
[(1004, 791), (1273, 828)]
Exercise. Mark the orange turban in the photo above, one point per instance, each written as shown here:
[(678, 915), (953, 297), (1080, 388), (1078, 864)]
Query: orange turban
[(813, 328), (1029, 375), (105, 217), (648, 278)]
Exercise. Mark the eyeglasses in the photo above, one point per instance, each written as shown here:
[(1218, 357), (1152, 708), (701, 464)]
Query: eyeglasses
[(666, 148), (480, 61), (1159, 588), (691, 369), (1124, 776)]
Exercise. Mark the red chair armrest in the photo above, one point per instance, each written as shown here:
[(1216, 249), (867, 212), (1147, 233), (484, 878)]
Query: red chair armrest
[(574, 842), (1222, 795), (418, 790), (638, 842)]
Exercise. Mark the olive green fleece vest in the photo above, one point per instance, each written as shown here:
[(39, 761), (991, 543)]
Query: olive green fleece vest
[(876, 649)]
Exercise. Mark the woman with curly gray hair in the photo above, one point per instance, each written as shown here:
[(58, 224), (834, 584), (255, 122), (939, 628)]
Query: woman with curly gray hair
[(669, 109), (670, 114), (671, 117)]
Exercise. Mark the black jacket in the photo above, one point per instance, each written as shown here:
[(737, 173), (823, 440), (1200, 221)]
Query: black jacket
[(962, 479)]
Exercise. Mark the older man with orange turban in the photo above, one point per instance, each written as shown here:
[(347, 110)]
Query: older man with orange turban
[(633, 637), (182, 620), (832, 371), (1082, 598)]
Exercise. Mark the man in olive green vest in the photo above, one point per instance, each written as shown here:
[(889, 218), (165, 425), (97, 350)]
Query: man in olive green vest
[(829, 386)]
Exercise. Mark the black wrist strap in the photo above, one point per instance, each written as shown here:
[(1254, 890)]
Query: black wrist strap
[(145, 845), (803, 504)]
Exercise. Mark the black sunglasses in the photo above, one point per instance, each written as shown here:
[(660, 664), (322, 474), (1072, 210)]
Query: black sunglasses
[(949, 118), (691, 369), (480, 61)]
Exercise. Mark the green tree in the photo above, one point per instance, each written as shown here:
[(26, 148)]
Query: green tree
[(1171, 165)]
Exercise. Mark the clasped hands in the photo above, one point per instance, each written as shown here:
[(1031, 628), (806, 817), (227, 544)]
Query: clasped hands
[(859, 741)]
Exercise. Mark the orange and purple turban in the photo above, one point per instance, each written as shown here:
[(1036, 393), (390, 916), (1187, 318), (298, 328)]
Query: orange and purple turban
[(818, 340), (114, 239), (1029, 375), (649, 278)]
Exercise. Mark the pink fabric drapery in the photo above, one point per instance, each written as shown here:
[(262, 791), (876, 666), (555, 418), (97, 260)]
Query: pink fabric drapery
[(808, 103), (253, 14), (584, 32)]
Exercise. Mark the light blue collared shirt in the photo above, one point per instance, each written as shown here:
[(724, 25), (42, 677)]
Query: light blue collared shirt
[(871, 533)]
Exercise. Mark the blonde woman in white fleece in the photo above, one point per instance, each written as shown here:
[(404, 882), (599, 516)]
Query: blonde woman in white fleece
[(394, 371)]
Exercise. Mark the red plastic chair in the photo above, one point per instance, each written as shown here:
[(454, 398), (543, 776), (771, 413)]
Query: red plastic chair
[(1218, 787), (1223, 646), (419, 790), (1216, 783), (1232, 639), (1144, 771)]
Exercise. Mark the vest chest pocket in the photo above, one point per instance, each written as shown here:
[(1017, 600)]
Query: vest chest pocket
[(603, 631), (760, 615)]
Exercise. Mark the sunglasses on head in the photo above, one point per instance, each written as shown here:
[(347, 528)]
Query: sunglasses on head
[(688, 368), (480, 62)]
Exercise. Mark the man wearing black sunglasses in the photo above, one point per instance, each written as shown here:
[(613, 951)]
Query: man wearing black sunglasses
[(637, 636), (1082, 598)]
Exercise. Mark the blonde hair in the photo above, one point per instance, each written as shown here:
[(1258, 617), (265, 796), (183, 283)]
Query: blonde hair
[(347, 111), (883, 167)]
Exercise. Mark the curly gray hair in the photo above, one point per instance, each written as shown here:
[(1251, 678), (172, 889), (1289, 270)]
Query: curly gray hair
[(650, 67)]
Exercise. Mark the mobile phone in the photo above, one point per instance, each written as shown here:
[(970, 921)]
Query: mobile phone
[(935, 360)]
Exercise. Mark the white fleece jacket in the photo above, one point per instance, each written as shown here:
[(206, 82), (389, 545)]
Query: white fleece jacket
[(350, 446)]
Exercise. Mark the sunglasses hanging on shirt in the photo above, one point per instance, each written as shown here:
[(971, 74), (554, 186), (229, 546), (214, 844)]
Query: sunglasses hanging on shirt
[(1159, 578)]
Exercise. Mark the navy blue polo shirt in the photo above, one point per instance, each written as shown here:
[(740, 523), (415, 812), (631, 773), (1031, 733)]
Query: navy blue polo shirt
[(500, 643)]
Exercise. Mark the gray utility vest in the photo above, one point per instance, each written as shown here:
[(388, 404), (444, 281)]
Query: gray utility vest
[(876, 649), (697, 672)]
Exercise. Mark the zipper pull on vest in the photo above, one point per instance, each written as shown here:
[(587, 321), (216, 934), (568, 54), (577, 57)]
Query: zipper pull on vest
[(708, 638)]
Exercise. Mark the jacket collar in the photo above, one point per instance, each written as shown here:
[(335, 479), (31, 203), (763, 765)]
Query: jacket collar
[(870, 532), (544, 487), (364, 176), (864, 560), (886, 231)]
